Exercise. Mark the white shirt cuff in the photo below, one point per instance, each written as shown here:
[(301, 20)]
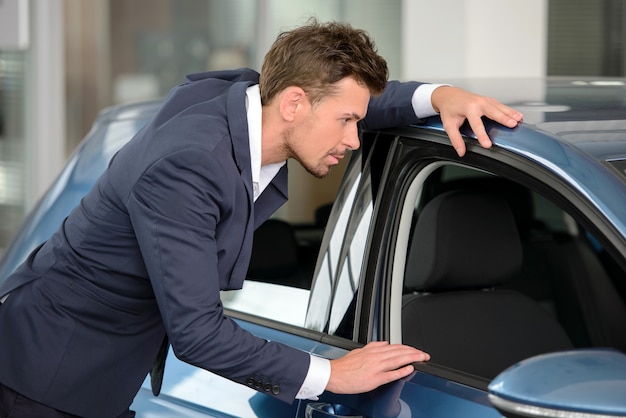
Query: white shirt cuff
[(421, 100), (316, 379)]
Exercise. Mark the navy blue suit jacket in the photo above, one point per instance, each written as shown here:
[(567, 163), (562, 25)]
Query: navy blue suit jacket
[(166, 227)]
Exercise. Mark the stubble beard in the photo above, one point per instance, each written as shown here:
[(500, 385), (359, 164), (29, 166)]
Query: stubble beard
[(319, 170)]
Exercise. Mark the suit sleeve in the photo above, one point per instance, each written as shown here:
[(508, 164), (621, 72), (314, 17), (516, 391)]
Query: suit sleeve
[(175, 208), (392, 108)]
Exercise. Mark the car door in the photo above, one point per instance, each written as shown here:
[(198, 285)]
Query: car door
[(569, 263)]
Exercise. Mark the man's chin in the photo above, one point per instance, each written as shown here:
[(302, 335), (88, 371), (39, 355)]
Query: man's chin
[(322, 175)]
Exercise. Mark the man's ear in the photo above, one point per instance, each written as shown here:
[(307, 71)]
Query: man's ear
[(293, 102)]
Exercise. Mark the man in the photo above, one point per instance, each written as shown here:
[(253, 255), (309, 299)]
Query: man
[(170, 224)]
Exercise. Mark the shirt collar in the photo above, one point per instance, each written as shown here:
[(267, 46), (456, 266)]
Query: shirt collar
[(261, 175)]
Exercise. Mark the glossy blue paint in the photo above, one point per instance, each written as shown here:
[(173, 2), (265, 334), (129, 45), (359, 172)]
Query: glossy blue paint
[(586, 174), (592, 381)]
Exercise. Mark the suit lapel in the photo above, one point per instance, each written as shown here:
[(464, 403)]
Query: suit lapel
[(273, 197), (238, 128)]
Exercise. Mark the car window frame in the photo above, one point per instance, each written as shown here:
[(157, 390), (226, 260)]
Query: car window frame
[(418, 152)]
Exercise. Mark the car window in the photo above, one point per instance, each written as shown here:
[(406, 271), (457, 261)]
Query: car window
[(281, 272), (460, 311), (335, 287), (278, 280), (351, 263)]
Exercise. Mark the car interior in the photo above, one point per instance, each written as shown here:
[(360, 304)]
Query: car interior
[(457, 307), (509, 276), (284, 253)]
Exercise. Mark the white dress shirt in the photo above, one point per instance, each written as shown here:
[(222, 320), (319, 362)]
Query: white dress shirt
[(319, 368)]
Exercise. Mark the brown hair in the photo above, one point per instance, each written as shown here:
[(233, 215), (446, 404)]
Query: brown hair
[(318, 55)]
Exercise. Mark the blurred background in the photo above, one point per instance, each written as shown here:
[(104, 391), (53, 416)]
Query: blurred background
[(62, 61)]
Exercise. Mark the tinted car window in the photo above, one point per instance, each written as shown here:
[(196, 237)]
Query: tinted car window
[(574, 283)]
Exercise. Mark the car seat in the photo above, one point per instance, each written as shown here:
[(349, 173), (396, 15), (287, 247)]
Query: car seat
[(465, 247), (563, 272), (276, 257)]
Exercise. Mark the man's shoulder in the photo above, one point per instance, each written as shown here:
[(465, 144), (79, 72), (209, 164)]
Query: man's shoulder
[(228, 76), (207, 93)]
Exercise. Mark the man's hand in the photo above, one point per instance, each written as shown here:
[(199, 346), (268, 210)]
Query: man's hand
[(455, 105), (367, 368)]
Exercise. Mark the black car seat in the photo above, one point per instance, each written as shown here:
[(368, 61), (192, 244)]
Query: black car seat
[(565, 273), (274, 256), (538, 276), (465, 246)]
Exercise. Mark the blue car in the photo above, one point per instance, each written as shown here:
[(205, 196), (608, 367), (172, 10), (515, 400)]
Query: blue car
[(507, 265)]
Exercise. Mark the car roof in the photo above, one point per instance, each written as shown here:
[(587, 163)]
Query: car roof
[(589, 113)]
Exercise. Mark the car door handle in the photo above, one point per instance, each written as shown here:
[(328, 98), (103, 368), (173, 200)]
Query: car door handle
[(325, 410)]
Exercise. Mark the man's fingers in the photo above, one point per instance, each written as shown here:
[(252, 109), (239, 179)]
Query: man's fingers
[(452, 129), (504, 115), (396, 374), (514, 117), (478, 127), (456, 105), (375, 364), (393, 356), (398, 355)]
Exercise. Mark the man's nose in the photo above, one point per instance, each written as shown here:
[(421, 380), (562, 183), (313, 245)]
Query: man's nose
[(352, 140)]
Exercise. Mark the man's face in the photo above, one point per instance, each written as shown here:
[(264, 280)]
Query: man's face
[(329, 129)]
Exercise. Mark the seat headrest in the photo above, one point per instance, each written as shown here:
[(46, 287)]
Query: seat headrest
[(518, 197), (463, 240)]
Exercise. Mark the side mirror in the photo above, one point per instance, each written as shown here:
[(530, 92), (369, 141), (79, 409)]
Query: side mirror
[(588, 383)]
